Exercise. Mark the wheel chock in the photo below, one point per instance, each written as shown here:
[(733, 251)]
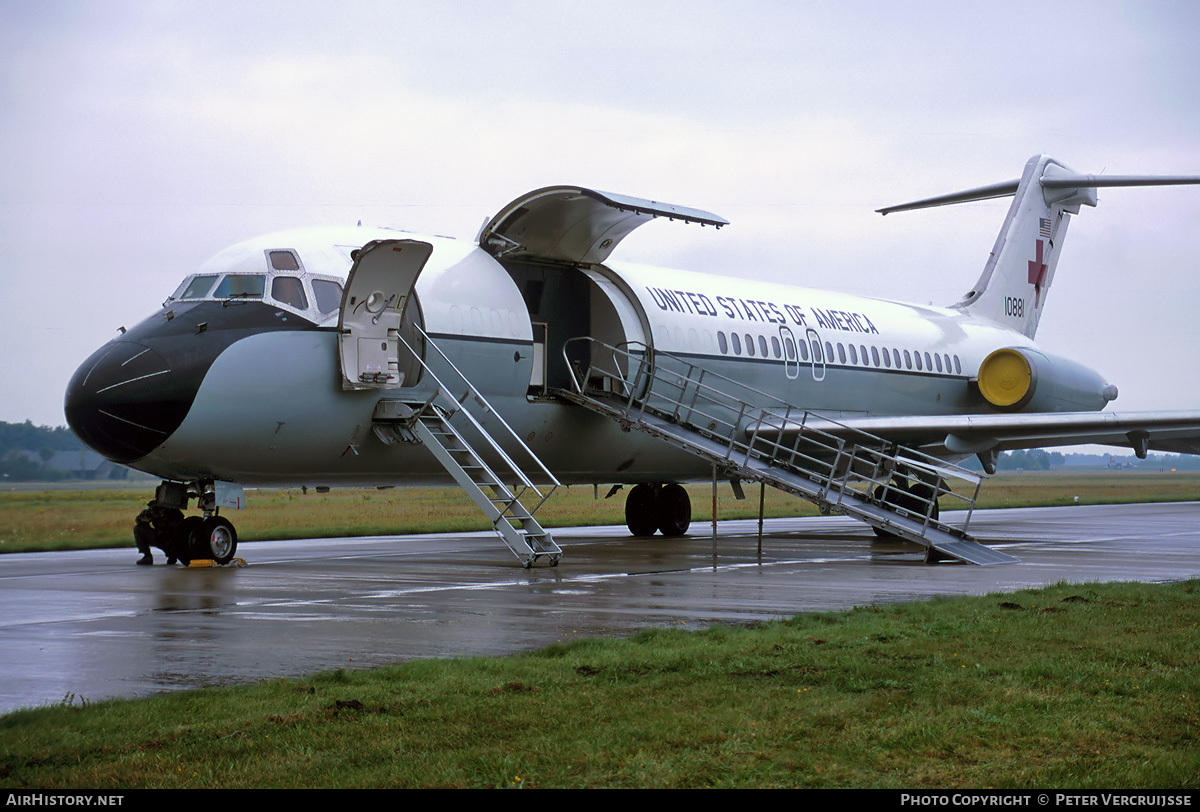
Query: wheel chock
[(208, 562)]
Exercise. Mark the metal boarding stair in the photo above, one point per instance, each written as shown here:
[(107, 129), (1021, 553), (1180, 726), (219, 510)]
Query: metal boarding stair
[(429, 423), (754, 436)]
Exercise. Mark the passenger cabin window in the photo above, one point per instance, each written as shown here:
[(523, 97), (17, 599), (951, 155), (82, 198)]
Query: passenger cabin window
[(289, 290), (241, 286), (722, 342)]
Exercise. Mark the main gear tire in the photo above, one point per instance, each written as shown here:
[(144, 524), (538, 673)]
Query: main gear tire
[(674, 510), (913, 500), (641, 509), (922, 495)]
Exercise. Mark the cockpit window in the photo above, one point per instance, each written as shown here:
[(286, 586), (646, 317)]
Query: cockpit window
[(241, 286), (289, 290), (283, 261), (198, 288), (329, 295)]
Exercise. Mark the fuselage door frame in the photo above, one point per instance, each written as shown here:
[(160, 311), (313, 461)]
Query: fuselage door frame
[(791, 352), (818, 354)]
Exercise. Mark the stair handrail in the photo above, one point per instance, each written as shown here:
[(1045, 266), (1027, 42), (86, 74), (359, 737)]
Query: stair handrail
[(777, 416), (483, 402)]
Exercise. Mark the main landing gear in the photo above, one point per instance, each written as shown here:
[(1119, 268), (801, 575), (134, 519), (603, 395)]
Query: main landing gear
[(651, 507), (913, 496), (193, 538)]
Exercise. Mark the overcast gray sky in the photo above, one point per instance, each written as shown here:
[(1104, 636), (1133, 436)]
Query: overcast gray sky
[(139, 138)]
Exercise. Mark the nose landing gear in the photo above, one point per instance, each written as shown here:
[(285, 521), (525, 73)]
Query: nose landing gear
[(193, 538), (214, 539)]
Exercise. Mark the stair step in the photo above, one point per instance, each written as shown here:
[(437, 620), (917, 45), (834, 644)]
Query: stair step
[(514, 523)]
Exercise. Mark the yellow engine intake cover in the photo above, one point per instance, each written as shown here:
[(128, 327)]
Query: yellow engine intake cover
[(1005, 378)]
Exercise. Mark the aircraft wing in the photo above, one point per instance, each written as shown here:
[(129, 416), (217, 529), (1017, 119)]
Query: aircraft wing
[(1177, 432)]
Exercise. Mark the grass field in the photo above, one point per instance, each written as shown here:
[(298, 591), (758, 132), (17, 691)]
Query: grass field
[(1070, 686), (76, 518)]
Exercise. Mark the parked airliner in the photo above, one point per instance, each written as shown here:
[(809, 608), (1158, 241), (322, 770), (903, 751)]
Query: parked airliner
[(340, 357)]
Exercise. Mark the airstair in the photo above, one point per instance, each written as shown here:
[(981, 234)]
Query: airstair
[(750, 435), (497, 487)]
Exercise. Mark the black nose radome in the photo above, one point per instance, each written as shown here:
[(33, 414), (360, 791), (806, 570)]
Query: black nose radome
[(125, 400)]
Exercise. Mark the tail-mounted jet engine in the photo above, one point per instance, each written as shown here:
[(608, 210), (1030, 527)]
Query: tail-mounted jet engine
[(1024, 379)]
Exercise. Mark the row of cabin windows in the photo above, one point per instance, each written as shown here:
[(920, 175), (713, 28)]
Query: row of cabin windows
[(857, 355)]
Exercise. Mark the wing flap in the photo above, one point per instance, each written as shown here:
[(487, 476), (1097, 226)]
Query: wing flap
[(950, 435)]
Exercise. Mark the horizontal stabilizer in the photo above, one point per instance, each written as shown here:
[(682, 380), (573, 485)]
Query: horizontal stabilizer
[(1004, 189), (1077, 181), (1053, 177)]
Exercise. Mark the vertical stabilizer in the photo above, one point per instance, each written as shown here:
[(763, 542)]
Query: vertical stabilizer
[(1012, 289), (1014, 284)]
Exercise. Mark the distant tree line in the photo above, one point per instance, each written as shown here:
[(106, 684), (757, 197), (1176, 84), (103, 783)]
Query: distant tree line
[(30, 453), (1037, 459), (1033, 459)]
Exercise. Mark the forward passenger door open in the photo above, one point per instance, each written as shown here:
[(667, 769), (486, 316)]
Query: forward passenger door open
[(378, 307)]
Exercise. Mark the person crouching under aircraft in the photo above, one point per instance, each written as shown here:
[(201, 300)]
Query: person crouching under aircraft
[(159, 527)]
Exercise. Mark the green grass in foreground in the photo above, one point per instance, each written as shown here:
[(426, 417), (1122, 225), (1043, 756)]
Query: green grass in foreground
[(1070, 686), (65, 519)]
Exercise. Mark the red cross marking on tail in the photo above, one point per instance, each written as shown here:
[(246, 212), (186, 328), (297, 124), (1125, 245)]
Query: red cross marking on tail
[(1037, 274)]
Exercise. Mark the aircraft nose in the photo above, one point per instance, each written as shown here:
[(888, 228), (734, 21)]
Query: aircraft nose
[(124, 401)]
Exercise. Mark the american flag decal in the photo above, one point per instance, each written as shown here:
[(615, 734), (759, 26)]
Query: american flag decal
[(1044, 227)]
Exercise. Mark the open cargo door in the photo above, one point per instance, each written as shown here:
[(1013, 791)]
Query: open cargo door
[(575, 225)]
